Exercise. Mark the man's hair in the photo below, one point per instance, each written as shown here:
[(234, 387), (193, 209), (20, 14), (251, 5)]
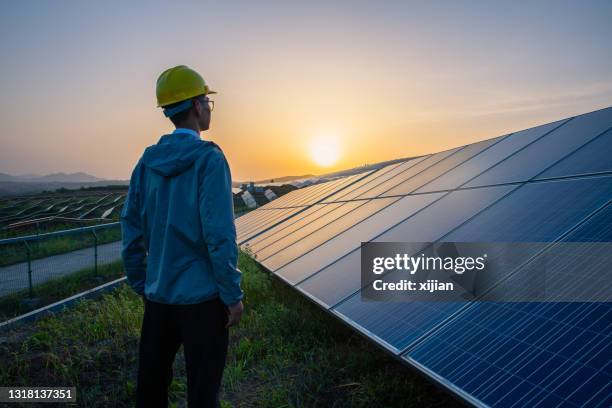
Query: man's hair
[(182, 116)]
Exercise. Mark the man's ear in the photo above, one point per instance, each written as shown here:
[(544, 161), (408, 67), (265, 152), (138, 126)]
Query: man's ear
[(197, 105)]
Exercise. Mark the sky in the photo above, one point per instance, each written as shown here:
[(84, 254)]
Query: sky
[(303, 87)]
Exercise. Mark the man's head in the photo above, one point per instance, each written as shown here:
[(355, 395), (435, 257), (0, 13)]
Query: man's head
[(183, 94), (194, 111)]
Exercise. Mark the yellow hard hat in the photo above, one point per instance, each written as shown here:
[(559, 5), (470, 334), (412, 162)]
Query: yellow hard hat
[(180, 83)]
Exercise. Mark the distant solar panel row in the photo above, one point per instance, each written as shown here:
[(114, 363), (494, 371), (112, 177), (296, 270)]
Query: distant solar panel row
[(550, 183)]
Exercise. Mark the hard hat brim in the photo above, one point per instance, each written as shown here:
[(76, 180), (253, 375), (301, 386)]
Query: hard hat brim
[(170, 103)]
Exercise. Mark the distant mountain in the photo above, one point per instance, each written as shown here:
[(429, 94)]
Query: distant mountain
[(8, 188), (6, 177), (33, 183), (78, 177)]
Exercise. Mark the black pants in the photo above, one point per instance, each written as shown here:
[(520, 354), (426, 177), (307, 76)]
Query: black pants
[(201, 330)]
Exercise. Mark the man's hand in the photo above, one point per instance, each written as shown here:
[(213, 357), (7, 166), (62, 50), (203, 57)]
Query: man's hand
[(234, 313)]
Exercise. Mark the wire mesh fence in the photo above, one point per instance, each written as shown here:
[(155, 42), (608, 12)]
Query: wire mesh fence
[(39, 269)]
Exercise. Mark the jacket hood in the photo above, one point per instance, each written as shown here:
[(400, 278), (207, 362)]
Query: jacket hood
[(174, 154)]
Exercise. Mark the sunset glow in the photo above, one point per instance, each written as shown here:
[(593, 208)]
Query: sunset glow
[(324, 151), (370, 83)]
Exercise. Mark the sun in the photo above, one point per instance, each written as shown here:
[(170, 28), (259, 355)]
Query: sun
[(324, 151)]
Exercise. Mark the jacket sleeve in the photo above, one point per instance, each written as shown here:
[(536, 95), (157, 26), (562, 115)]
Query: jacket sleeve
[(133, 251), (219, 231)]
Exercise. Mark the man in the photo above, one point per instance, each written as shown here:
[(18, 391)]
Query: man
[(179, 248)]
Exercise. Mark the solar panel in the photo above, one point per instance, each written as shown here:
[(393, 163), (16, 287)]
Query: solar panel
[(428, 219), (305, 240), (441, 167), (316, 211), (537, 212), (544, 184), (270, 217), (394, 322), (317, 192), (396, 325), (529, 354), (253, 223), (593, 157), (410, 172), (488, 158), (302, 196), (290, 226), (366, 185), (546, 151), (314, 221), (255, 218), (336, 246)]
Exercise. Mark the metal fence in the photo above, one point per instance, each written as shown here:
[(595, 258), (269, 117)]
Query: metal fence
[(29, 263)]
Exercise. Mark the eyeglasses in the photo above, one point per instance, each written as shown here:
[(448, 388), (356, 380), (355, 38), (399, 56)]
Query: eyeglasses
[(210, 103)]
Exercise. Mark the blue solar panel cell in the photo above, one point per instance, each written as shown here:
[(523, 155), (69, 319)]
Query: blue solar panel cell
[(528, 352), (533, 353), (266, 219), (306, 240), (551, 211), (546, 151), (537, 212), (307, 225), (367, 188), (594, 157), (440, 168), (290, 226), (488, 158), (409, 173), (342, 278), (337, 246)]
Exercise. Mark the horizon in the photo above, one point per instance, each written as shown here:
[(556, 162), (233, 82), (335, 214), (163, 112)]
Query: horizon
[(371, 83)]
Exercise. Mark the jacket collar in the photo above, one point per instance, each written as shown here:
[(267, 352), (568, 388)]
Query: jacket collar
[(180, 134)]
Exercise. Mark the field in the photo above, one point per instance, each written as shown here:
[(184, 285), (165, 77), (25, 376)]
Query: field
[(36, 214), (285, 353)]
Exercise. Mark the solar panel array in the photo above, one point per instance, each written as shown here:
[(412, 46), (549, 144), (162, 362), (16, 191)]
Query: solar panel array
[(551, 183), (23, 210)]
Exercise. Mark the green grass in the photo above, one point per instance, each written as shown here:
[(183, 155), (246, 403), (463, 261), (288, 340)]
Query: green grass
[(58, 289), (285, 353), (16, 253)]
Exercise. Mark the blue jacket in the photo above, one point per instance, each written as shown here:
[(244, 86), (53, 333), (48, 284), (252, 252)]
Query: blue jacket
[(178, 232)]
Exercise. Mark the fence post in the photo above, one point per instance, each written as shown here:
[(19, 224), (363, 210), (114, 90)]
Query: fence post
[(29, 256), (95, 252)]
